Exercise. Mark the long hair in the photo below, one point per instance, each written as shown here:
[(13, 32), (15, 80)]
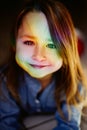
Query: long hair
[(63, 35)]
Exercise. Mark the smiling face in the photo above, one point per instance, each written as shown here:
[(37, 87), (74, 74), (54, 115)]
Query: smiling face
[(35, 50)]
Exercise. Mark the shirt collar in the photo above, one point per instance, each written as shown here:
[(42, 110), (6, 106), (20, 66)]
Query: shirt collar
[(34, 85)]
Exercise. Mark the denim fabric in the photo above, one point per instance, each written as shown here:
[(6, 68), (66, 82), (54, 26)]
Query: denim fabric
[(10, 111)]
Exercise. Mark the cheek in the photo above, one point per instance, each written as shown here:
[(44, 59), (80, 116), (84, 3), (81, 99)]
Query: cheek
[(24, 52), (56, 61), (53, 58)]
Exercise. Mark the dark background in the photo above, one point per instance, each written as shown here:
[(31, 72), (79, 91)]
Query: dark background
[(10, 8)]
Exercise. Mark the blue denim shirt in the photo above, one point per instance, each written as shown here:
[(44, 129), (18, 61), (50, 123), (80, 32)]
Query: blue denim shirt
[(10, 111)]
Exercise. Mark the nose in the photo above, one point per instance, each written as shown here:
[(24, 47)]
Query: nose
[(39, 54)]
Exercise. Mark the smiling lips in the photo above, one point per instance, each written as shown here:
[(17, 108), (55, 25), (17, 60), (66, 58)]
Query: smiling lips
[(38, 66)]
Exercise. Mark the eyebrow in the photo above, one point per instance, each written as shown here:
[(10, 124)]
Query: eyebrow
[(33, 37), (27, 36), (49, 40)]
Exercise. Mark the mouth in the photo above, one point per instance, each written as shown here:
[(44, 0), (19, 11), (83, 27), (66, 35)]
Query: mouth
[(38, 66)]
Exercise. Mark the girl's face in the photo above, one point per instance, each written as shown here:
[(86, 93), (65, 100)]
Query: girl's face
[(35, 50)]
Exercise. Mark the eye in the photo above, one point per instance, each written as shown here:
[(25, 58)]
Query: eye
[(28, 43), (51, 46)]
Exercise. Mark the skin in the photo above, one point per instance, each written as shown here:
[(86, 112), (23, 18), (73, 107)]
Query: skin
[(35, 50)]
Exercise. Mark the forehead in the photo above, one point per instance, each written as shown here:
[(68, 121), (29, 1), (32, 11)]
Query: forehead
[(36, 18), (35, 23)]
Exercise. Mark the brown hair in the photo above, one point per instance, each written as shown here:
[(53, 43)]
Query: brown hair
[(62, 32)]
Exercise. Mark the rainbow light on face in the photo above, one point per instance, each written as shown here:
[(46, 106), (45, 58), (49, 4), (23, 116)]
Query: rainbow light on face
[(40, 58)]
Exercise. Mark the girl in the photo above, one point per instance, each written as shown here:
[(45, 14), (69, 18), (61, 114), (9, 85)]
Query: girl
[(44, 74)]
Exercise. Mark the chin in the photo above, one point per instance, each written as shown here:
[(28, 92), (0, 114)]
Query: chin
[(39, 76)]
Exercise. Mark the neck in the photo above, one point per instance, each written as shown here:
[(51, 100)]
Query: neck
[(45, 81)]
